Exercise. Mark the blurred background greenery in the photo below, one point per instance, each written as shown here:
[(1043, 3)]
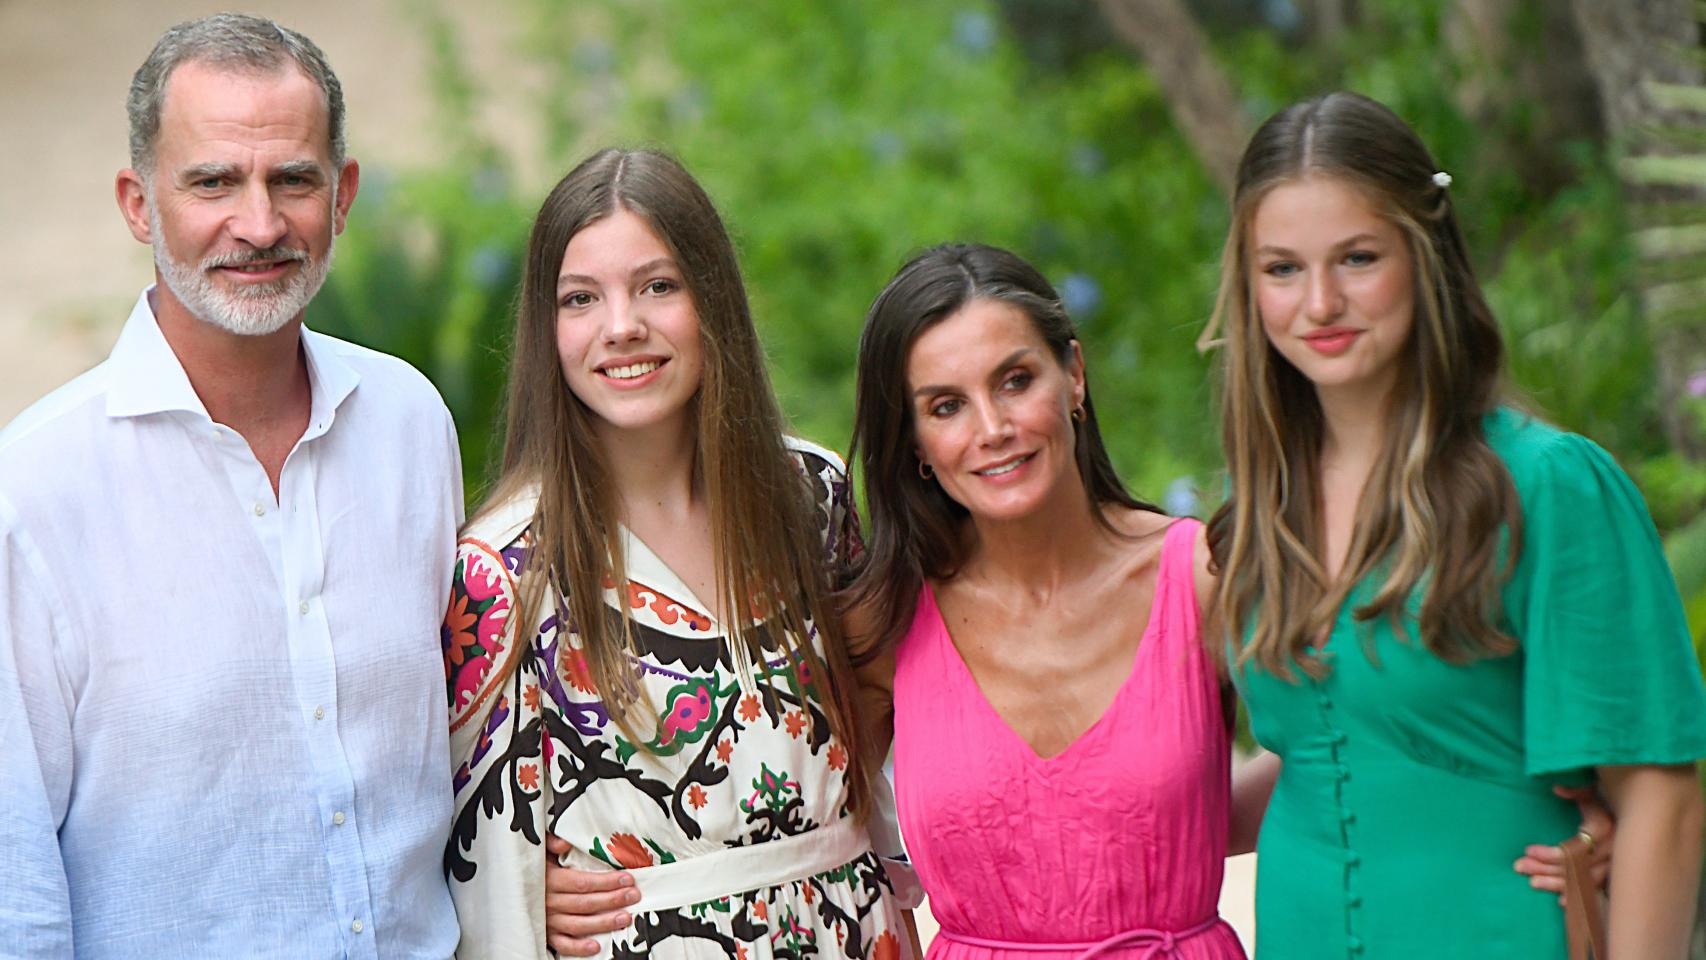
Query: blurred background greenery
[(839, 136)]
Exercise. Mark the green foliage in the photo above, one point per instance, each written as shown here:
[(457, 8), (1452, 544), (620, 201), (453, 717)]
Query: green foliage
[(840, 136)]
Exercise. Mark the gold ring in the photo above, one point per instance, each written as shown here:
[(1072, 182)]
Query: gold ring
[(1588, 839)]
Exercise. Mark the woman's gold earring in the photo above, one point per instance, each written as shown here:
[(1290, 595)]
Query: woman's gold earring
[(924, 471), (1078, 414)]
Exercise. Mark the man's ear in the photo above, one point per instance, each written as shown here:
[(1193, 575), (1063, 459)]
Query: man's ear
[(133, 204), (349, 178)]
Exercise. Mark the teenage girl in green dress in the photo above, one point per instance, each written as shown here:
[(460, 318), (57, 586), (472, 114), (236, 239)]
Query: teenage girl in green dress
[(1438, 605)]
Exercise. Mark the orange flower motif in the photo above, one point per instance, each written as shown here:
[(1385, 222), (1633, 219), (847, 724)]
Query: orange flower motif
[(811, 894), (740, 951), (528, 776), (796, 722), (575, 669), (725, 749), (749, 708), (530, 696), (457, 619), (886, 947), (761, 910), (837, 757), (696, 797), (458, 629), (628, 851)]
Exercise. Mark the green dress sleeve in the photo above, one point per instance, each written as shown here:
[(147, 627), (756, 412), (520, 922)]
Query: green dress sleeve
[(1610, 675)]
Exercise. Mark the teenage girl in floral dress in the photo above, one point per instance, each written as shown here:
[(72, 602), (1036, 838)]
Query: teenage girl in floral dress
[(640, 651)]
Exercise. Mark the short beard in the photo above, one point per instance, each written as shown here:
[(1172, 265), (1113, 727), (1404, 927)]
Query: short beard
[(250, 311)]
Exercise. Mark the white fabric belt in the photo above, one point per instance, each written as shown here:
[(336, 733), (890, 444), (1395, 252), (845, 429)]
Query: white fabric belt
[(736, 870)]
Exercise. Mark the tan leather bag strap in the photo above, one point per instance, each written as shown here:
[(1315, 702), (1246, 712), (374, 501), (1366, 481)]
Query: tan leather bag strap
[(1583, 924)]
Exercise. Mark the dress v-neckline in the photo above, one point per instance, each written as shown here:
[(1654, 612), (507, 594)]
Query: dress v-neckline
[(1144, 642), (647, 569)]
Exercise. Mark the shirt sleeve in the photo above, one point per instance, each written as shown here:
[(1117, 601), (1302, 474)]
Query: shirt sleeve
[(1610, 675), (35, 756)]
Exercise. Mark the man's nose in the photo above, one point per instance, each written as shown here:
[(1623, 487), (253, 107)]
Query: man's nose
[(257, 220)]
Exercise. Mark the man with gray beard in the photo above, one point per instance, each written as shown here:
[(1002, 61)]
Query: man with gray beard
[(224, 558)]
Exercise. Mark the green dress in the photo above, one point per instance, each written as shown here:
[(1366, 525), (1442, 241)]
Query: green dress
[(1410, 786)]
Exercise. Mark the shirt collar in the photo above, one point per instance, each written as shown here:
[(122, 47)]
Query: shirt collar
[(148, 378)]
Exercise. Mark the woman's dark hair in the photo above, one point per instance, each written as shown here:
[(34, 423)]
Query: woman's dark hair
[(915, 529)]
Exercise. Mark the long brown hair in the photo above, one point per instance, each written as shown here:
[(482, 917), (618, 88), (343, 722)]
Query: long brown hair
[(1432, 510), (914, 528), (764, 526)]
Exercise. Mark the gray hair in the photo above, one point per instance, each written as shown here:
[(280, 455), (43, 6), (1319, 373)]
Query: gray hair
[(233, 41)]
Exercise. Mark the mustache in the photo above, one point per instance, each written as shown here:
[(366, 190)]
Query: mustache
[(238, 258)]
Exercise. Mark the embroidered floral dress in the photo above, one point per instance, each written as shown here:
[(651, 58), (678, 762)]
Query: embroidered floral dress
[(730, 763)]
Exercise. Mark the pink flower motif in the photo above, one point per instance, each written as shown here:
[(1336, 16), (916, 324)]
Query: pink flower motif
[(686, 713), (493, 623), (482, 580), (468, 679)]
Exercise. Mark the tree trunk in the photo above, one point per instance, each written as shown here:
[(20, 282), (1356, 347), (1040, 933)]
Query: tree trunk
[(1198, 91), (1645, 60)]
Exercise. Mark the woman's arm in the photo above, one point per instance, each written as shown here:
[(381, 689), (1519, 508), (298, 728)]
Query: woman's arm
[(1252, 784), (1656, 873)]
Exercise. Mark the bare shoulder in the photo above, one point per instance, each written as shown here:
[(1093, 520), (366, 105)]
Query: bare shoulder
[(1142, 525)]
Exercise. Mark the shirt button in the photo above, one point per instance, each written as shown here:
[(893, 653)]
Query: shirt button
[(1355, 944), (356, 926), (1348, 816), (319, 713), (1352, 859), (302, 608), (1354, 900), (260, 510), (338, 818)]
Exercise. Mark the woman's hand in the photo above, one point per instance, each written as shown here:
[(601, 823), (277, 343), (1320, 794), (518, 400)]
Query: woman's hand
[(581, 903), (1544, 865)]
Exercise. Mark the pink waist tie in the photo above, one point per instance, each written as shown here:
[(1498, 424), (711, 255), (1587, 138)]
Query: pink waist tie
[(1161, 943)]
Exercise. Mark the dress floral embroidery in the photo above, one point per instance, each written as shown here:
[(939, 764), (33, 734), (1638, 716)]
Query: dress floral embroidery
[(726, 764)]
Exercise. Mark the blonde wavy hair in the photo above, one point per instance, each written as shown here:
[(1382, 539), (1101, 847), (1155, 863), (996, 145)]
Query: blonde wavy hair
[(1439, 512)]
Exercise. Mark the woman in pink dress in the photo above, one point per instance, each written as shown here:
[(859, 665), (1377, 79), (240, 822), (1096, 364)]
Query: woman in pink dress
[(1061, 738)]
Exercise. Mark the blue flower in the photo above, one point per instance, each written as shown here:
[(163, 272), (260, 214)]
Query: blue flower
[(1080, 294), (886, 146), (1180, 500), (975, 32), (490, 265), (1088, 159)]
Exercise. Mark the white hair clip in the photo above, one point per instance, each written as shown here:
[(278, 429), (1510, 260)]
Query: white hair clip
[(1442, 179)]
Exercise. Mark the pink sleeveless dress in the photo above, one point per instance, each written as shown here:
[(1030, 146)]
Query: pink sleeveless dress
[(1115, 847)]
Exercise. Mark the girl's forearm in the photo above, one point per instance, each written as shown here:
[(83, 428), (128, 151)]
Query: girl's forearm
[(1655, 872)]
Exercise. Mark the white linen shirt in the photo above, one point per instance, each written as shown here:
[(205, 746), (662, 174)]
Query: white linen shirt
[(222, 717)]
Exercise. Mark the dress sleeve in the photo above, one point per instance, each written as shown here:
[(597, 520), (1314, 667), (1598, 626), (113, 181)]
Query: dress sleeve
[(477, 639), (36, 705), (1610, 675)]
